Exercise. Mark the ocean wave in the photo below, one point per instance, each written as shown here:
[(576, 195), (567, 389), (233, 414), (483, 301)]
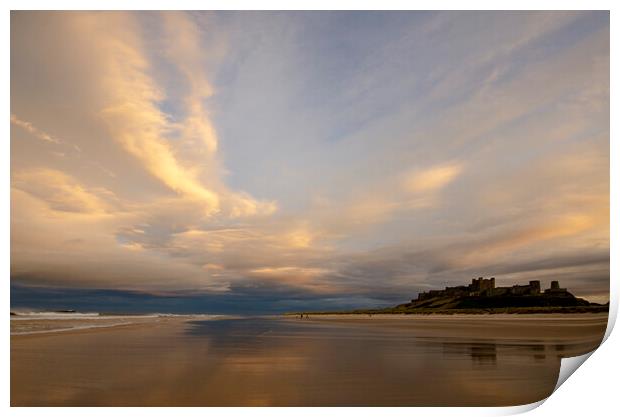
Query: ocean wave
[(45, 315), (66, 329)]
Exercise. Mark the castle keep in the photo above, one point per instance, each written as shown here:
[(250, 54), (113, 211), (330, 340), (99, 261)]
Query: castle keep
[(481, 287)]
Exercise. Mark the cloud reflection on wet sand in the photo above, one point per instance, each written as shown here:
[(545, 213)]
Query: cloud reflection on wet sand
[(278, 361)]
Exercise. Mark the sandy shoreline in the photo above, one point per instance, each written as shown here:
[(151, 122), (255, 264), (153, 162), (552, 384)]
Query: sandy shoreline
[(404, 316), (323, 360), (585, 328), (587, 325)]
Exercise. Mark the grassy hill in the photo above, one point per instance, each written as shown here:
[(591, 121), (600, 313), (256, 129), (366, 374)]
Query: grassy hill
[(506, 304)]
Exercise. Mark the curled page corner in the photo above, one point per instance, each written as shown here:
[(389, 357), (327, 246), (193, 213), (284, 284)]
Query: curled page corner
[(568, 366), (611, 317), (520, 409)]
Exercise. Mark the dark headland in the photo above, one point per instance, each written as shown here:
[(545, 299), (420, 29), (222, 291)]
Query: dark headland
[(483, 297)]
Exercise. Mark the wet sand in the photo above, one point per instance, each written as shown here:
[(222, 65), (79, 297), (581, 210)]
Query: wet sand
[(287, 361)]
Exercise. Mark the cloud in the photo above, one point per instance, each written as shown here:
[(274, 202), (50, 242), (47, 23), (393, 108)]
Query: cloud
[(396, 195), (179, 154), (432, 179), (504, 244), (33, 130), (300, 238), (184, 49), (133, 115), (310, 279), (119, 88), (62, 192), (244, 153)]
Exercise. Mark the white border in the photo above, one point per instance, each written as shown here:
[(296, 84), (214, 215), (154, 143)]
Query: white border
[(591, 391)]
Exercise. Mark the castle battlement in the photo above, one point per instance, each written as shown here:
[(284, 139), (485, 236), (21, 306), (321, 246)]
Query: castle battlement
[(481, 287)]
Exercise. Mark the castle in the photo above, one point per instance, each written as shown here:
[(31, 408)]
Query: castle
[(481, 287)]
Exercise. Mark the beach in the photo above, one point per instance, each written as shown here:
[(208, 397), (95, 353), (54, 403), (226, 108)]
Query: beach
[(353, 360)]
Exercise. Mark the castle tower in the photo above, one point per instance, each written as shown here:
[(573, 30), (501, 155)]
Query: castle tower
[(555, 285), (535, 285), (476, 284)]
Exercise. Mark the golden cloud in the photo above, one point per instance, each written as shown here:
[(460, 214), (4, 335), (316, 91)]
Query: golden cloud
[(62, 192), (432, 179)]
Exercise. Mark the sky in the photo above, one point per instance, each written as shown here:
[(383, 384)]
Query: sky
[(274, 161)]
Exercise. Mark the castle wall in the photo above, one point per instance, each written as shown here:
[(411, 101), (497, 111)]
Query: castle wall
[(498, 291), (486, 288)]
